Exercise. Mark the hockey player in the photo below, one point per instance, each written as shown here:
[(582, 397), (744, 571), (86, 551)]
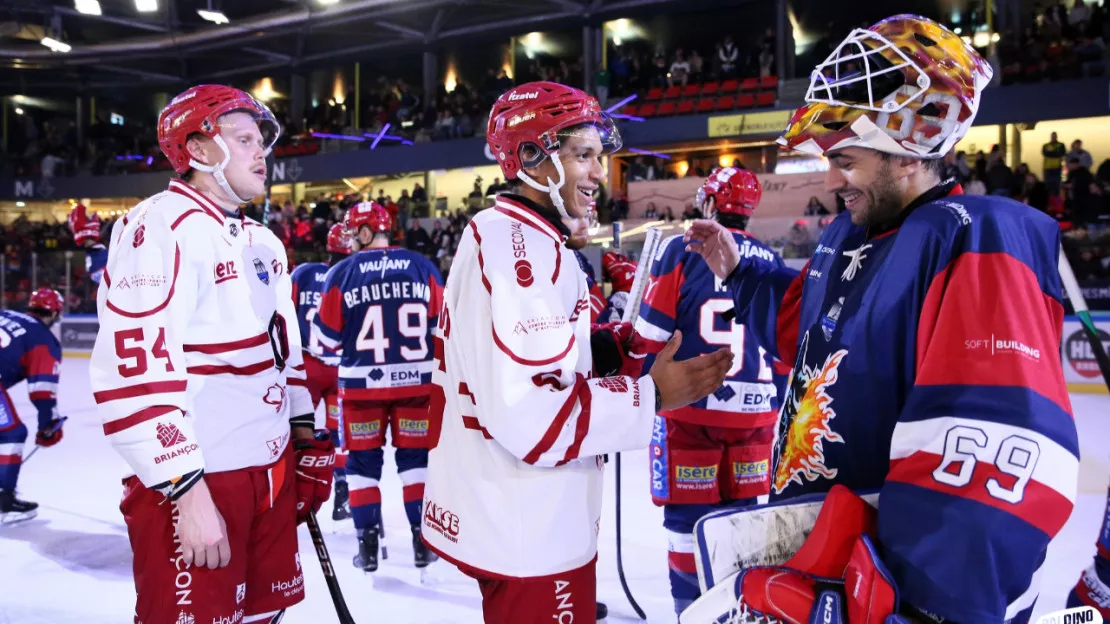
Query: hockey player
[(86, 235), (320, 362), (514, 485), (577, 240), (924, 334), (28, 351), (715, 452), (1093, 587), (379, 308), (199, 382)]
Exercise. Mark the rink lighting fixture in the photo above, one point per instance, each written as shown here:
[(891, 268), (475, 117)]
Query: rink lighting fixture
[(20, 204), (87, 7), (647, 153), (327, 2), (18, 110), (146, 6), (215, 17), (56, 45)]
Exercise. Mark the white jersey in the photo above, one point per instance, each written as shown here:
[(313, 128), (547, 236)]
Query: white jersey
[(197, 364), (515, 483)]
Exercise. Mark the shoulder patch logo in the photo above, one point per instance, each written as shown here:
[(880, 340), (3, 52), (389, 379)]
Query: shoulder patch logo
[(524, 273), (140, 236)]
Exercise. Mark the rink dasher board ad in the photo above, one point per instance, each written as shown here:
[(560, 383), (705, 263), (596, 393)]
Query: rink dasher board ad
[(77, 333)]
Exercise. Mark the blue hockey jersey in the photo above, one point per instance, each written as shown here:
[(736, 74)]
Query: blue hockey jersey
[(308, 287), (96, 258), (927, 367), (378, 310), (29, 351), (684, 294)]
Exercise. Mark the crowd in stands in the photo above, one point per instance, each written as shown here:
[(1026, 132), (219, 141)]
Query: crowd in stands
[(1058, 42)]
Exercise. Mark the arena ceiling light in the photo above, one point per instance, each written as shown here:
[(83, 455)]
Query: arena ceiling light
[(327, 2), (88, 7), (55, 45), (146, 6), (216, 17)]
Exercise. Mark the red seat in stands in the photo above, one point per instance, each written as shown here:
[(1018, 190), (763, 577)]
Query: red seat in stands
[(672, 93), (710, 88), (706, 105), (769, 83), (690, 91), (745, 101), (726, 103), (686, 107), (767, 98), (647, 110), (750, 84), (654, 94), (666, 108), (729, 86)]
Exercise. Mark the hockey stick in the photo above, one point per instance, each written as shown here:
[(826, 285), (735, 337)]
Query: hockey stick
[(54, 430), (329, 573), (635, 297), (1075, 295)]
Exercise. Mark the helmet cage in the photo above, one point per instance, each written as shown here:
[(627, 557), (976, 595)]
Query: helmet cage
[(880, 86)]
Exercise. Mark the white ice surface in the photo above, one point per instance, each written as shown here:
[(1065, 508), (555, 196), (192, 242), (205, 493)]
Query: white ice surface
[(72, 564)]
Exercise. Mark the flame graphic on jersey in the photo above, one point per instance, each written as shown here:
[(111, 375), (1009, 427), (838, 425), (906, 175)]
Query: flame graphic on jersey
[(806, 420)]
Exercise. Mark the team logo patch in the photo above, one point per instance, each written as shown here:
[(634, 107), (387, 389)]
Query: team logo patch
[(828, 324), (524, 273), (233, 228), (169, 435), (260, 270), (240, 593), (806, 423), (185, 618), (275, 395), (140, 236), (614, 384)]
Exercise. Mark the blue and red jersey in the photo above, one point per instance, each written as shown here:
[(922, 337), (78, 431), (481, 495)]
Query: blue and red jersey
[(927, 368), (378, 310), (683, 294), (598, 303), (308, 288), (30, 351)]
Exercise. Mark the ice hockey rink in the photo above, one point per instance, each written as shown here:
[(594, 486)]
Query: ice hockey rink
[(72, 564)]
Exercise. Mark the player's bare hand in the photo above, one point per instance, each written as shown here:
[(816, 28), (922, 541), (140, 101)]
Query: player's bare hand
[(715, 244), (682, 383), (201, 529)]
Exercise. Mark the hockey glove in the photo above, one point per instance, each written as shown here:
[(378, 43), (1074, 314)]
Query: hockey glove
[(51, 433), (617, 350), (315, 459)]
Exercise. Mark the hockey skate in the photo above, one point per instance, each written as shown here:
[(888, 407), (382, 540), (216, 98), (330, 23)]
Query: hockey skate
[(367, 557), (602, 612), (13, 510), (421, 556), (342, 506)]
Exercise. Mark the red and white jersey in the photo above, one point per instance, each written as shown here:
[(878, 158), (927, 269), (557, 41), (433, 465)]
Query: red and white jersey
[(514, 485), (197, 364)]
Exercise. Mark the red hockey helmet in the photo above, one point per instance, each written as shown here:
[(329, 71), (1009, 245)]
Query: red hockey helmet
[(370, 214), (619, 269), (734, 191), (46, 299), (84, 226), (528, 122), (339, 241)]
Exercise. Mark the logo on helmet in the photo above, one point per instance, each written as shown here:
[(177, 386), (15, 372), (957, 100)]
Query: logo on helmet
[(518, 119), (527, 95)]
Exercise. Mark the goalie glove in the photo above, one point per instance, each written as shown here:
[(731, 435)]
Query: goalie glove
[(866, 595)]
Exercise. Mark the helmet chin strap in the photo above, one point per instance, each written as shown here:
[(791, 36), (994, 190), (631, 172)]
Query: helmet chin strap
[(217, 171), (552, 188)]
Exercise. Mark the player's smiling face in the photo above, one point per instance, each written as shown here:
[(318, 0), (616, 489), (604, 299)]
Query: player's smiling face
[(580, 154), (246, 171), (866, 182)]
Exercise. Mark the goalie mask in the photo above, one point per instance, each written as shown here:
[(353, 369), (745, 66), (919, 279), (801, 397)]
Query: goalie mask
[(906, 86)]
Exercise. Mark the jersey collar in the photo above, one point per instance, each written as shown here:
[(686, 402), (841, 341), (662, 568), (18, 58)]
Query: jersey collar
[(183, 188), (527, 211), (946, 188)]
